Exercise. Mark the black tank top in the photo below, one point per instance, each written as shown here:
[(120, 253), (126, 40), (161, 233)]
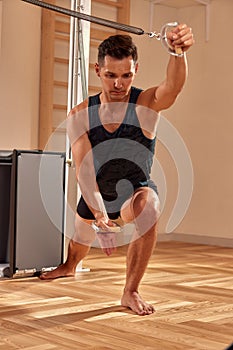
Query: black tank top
[(122, 158)]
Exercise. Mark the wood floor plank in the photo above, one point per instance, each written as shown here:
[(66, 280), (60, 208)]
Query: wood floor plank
[(190, 286)]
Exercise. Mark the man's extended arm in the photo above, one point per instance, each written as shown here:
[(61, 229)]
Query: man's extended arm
[(164, 95)]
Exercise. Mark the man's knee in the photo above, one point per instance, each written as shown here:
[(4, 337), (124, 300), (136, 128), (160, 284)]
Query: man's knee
[(146, 211), (146, 204), (143, 209)]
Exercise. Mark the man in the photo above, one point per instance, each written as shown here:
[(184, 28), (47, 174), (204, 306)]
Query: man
[(113, 136)]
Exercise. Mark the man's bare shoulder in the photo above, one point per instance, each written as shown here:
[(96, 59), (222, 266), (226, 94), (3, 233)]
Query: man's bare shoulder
[(78, 108), (77, 121)]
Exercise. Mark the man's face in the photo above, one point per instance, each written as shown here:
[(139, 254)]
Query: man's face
[(116, 78)]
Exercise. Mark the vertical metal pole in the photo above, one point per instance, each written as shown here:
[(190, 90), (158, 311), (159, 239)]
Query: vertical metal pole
[(77, 92), (82, 62)]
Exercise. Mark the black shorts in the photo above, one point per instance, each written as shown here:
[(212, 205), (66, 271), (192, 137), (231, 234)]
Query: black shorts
[(85, 213)]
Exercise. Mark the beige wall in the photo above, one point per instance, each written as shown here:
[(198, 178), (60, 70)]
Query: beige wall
[(202, 114), (19, 75)]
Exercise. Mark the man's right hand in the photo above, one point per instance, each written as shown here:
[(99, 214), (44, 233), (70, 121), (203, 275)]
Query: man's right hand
[(106, 231), (107, 241)]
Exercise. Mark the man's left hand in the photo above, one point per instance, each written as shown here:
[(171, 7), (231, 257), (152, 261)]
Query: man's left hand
[(181, 37)]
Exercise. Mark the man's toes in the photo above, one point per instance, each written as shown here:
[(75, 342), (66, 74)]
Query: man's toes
[(148, 309)]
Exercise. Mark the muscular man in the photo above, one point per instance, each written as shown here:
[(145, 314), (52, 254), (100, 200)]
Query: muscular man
[(112, 136)]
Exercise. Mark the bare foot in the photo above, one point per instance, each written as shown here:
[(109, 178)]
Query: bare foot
[(133, 301), (60, 271)]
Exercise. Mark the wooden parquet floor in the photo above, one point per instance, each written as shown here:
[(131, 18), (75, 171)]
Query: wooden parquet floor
[(190, 285)]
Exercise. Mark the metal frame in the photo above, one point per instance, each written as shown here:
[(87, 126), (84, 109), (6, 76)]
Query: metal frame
[(15, 236), (77, 91)]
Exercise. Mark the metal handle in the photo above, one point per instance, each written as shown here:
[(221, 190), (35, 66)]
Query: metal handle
[(164, 40)]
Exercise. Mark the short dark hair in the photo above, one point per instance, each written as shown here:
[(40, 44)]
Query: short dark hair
[(117, 46)]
